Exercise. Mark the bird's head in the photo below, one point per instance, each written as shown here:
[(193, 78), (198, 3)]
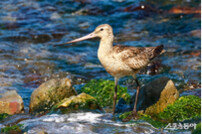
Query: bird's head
[(102, 31)]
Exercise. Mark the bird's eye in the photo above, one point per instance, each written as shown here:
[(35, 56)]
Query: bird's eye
[(101, 29)]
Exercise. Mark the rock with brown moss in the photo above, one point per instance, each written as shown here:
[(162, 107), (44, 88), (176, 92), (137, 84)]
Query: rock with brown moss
[(50, 93), (11, 103), (168, 96), (82, 101), (156, 95)]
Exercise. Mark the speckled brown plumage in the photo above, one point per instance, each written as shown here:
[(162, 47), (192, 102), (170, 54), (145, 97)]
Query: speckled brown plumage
[(119, 60), (137, 57)]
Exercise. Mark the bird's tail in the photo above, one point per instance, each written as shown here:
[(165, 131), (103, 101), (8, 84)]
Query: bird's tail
[(158, 51)]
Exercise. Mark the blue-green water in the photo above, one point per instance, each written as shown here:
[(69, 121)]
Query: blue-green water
[(30, 28)]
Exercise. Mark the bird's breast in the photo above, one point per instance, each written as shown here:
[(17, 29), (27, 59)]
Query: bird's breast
[(114, 65)]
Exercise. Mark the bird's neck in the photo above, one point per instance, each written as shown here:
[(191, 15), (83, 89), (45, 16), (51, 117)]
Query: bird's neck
[(106, 44)]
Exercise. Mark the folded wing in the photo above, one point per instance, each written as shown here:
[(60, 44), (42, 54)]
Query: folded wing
[(137, 57)]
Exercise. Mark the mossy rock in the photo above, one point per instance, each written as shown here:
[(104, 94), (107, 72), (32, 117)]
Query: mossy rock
[(198, 129), (103, 91), (82, 101), (125, 115), (50, 93), (153, 122), (185, 108), (15, 129), (155, 95), (168, 96), (3, 116), (143, 117)]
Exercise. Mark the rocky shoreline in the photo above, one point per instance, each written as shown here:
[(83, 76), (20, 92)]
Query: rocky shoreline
[(160, 102)]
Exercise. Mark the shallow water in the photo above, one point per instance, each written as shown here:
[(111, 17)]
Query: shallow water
[(29, 29), (86, 123)]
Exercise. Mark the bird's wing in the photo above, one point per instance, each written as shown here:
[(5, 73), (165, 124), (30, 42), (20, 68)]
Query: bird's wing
[(135, 57)]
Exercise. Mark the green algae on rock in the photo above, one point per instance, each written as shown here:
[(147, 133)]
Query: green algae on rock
[(14, 129), (185, 108), (198, 129), (103, 91), (124, 115), (153, 122), (143, 117), (50, 93), (82, 101), (3, 116), (168, 95)]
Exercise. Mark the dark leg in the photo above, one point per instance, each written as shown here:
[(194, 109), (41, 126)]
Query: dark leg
[(136, 98), (115, 95), (134, 113)]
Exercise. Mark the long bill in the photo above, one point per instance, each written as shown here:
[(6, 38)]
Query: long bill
[(89, 36)]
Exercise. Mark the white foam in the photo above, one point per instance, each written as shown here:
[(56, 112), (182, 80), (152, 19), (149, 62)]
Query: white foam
[(85, 123)]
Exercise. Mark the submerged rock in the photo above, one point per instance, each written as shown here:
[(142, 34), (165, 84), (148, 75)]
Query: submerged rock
[(11, 103), (50, 93), (82, 101), (156, 95)]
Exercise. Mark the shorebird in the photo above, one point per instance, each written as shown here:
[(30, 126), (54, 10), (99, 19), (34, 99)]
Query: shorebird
[(120, 60)]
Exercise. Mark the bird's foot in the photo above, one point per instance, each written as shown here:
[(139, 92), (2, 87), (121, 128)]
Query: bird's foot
[(133, 115), (128, 118)]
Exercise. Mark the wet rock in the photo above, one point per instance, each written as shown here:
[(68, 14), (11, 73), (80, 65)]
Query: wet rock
[(156, 95), (11, 103), (168, 95), (50, 93), (82, 101)]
